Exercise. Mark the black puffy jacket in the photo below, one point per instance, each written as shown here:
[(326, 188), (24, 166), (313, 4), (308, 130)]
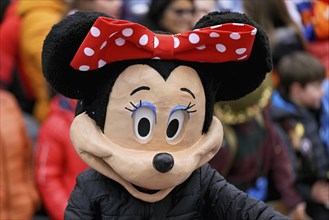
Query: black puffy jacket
[(205, 195)]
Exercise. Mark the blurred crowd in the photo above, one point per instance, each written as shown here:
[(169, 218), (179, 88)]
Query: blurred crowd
[(276, 139)]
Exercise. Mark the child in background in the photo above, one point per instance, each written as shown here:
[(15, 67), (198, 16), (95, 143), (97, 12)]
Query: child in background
[(253, 157), (296, 109)]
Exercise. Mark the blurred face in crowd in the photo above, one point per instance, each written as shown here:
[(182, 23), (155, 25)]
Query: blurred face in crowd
[(203, 7), (178, 16), (110, 7), (308, 96)]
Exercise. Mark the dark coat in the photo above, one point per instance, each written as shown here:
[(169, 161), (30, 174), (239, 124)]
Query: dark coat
[(205, 195), (310, 160), (308, 155)]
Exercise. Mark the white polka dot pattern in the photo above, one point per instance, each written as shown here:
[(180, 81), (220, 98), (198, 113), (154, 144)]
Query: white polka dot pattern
[(109, 41), (95, 32), (143, 40), (84, 68), (221, 48), (127, 32), (194, 38), (176, 42), (101, 63), (215, 26), (88, 51), (243, 57), (156, 42), (241, 51), (103, 45), (120, 41), (202, 47), (235, 36), (238, 24), (213, 35)]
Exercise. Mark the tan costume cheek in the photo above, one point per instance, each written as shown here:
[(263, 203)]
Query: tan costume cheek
[(119, 123), (108, 158), (84, 131)]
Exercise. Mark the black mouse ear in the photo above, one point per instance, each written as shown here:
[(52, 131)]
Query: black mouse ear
[(58, 50), (238, 78)]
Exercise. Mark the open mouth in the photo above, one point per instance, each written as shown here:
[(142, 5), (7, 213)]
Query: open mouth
[(144, 190)]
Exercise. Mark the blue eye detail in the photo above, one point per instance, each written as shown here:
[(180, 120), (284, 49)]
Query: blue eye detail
[(141, 104), (144, 118), (144, 104), (177, 108), (184, 108), (176, 121)]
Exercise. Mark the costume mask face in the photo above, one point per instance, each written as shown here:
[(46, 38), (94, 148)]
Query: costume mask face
[(155, 125), (153, 131)]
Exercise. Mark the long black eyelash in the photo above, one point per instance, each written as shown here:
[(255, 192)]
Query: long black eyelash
[(189, 107), (135, 107)]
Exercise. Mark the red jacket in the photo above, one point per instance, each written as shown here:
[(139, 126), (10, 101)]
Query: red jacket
[(57, 163), (9, 59)]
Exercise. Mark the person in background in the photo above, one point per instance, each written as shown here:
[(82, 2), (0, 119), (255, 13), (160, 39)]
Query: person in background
[(110, 7), (12, 76), (37, 18), (57, 164), (18, 194), (203, 7), (284, 33), (174, 16), (315, 21), (253, 157), (296, 109)]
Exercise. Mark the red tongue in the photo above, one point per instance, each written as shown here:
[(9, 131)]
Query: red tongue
[(146, 189)]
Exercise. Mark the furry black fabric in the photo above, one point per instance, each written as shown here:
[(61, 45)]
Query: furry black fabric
[(59, 49), (222, 81), (240, 78)]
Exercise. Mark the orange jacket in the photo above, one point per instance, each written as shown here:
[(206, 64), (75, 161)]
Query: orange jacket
[(37, 18), (18, 194)]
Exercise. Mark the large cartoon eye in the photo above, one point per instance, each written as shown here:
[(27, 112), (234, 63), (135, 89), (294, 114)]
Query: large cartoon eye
[(175, 124), (144, 120)]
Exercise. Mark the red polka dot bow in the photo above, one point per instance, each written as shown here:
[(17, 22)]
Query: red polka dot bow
[(111, 40)]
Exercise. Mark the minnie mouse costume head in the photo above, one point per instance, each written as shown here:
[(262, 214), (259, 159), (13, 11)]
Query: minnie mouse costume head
[(145, 117)]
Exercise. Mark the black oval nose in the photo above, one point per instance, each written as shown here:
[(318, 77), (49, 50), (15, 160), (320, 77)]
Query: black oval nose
[(163, 162)]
